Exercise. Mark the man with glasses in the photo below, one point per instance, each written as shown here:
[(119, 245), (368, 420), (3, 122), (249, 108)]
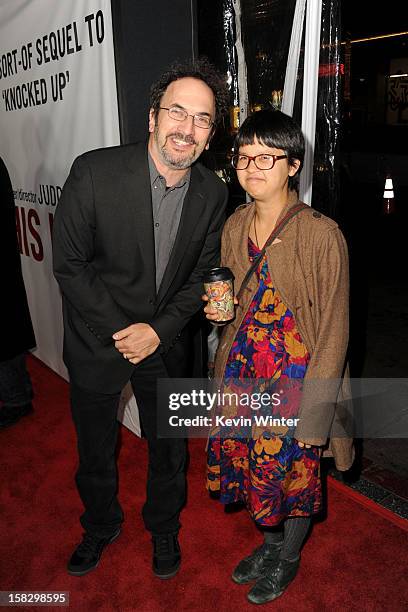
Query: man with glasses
[(136, 228)]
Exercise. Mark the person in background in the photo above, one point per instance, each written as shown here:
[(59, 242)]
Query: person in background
[(135, 230), (291, 326), (17, 335)]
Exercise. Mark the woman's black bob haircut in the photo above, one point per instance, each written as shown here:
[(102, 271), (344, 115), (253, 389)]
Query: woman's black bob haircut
[(276, 130)]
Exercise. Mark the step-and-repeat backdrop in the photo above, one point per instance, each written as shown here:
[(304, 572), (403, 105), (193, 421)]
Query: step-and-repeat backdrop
[(58, 99)]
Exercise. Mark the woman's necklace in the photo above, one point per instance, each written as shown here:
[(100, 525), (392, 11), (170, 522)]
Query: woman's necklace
[(256, 236)]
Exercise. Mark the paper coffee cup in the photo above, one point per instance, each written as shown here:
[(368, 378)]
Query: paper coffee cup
[(219, 287)]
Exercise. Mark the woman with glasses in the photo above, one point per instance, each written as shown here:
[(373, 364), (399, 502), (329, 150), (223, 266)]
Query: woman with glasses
[(291, 327)]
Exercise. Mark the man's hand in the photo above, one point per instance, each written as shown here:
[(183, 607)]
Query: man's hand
[(136, 342)]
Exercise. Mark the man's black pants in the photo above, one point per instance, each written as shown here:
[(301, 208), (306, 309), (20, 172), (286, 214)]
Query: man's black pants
[(95, 418)]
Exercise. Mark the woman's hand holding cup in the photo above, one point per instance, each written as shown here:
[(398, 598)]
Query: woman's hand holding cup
[(219, 290), (211, 313)]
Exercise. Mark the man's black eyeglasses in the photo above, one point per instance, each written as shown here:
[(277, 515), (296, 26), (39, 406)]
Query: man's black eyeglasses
[(180, 114)]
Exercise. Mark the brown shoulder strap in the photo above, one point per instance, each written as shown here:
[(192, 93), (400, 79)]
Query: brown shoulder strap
[(275, 233)]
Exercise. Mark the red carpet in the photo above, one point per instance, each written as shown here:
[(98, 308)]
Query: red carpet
[(355, 560)]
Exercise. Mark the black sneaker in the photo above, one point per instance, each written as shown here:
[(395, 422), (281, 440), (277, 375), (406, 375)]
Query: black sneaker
[(11, 414), (166, 555), (273, 583), (253, 566), (88, 553)]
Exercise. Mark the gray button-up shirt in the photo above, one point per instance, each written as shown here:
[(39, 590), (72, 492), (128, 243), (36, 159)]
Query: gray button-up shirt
[(167, 203)]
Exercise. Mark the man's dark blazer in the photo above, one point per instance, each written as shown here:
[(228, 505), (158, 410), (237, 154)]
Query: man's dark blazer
[(104, 260)]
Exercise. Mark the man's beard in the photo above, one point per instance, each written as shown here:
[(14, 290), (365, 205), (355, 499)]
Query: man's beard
[(176, 163)]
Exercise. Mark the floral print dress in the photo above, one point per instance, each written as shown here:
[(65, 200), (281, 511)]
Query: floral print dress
[(269, 472)]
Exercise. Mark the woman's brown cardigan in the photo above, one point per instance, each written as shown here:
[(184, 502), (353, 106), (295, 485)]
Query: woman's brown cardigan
[(308, 264)]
